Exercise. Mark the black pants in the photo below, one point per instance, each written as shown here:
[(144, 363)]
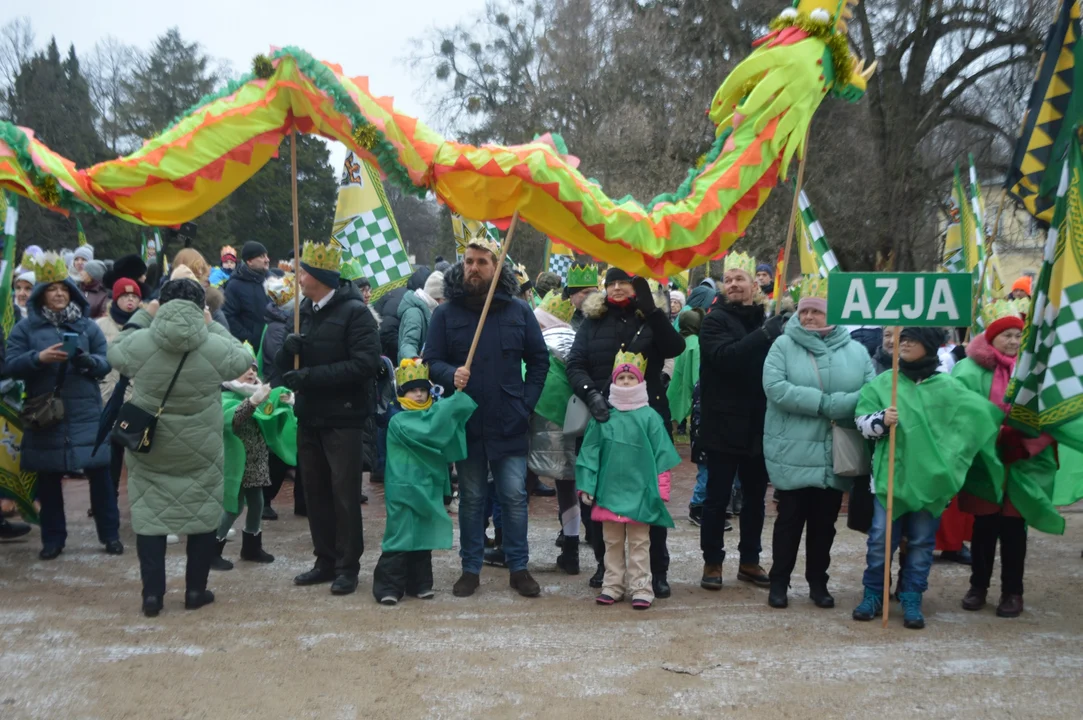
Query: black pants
[(402, 573), (278, 470), (116, 464), (814, 508), (151, 550), (1012, 533), (330, 460), (722, 468)]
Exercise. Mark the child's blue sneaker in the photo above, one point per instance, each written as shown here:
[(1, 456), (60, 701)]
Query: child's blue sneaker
[(911, 605), (871, 606)]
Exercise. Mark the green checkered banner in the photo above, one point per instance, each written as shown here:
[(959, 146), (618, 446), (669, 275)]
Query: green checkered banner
[(370, 238)]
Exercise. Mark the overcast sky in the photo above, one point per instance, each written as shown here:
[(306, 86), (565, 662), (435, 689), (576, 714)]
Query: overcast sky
[(365, 37)]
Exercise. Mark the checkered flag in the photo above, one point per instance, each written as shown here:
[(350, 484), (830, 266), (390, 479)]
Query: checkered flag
[(1046, 393), (370, 238), (956, 263), (560, 265)]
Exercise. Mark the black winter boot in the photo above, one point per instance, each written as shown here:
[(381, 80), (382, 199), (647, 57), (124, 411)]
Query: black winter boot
[(252, 549), (660, 586), (218, 562), (568, 560), (598, 577), (777, 597)]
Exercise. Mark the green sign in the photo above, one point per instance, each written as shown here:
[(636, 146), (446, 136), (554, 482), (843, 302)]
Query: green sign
[(925, 299)]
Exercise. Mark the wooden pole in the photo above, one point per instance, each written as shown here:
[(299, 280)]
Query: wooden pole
[(794, 212), (891, 473), (296, 244), (492, 288)]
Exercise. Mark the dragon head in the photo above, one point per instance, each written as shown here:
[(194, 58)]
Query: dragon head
[(827, 19)]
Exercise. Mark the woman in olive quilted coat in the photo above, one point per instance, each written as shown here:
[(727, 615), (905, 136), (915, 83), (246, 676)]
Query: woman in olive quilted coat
[(177, 486)]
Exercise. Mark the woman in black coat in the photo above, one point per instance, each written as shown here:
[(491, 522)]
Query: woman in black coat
[(35, 355), (733, 345), (624, 318)]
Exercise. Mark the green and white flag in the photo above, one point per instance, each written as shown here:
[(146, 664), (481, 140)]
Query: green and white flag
[(818, 249), (1046, 392)]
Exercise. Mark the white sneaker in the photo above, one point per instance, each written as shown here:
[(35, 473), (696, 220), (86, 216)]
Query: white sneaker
[(389, 600), (231, 534), (427, 594), (171, 539)]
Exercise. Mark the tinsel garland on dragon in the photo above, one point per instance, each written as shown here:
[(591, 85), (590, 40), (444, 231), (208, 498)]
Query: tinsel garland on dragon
[(762, 112)]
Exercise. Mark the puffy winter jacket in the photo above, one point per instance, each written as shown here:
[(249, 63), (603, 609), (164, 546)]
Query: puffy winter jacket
[(245, 303), (279, 323), (341, 354), (732, 348), (511, 336), (177, 486), (797, 435), (414, 315), (607, 330), (97, 297), (66, 447)]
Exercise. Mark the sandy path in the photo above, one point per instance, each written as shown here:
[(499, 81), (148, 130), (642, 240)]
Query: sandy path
[(74, 645)]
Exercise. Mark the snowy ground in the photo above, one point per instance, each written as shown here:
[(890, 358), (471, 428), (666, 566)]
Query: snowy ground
[(74, 645)]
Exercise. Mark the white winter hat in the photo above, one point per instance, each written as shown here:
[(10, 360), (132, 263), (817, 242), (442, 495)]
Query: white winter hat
[(434, 286), (84, 251)]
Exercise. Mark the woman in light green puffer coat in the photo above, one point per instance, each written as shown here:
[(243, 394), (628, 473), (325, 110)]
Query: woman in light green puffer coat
[(177, 486), (813, 378)]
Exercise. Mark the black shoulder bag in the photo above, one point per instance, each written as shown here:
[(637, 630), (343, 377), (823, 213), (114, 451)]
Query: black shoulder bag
[(45, 411), (135, 426)]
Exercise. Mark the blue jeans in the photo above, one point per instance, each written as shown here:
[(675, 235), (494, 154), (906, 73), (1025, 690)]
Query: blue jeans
[(103, 500), (509, 479), (699, 495), (920, 530)]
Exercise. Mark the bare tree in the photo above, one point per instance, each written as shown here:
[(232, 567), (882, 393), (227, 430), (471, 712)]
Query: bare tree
[(16, 47), (109, 65)]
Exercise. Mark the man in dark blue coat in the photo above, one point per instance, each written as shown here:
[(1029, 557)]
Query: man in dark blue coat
[(246, 300), (497, 433)]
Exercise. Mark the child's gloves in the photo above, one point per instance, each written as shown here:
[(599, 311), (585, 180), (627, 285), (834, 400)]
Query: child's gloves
[(261, 394), (286, 398)]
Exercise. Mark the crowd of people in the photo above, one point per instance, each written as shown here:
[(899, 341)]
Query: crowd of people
[(581, 382)]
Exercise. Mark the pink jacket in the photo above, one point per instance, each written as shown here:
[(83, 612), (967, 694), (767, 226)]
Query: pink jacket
[(600, 514)]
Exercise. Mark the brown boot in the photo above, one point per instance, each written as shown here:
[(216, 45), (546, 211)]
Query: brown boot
[(527, 586), (466, 584), (1010, 606), (712, 577), (975, 599), (753, 574)]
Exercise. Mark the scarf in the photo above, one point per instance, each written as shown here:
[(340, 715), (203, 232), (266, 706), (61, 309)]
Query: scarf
[(241, 388), (426, 299), (1002, 374), (628, 398), (120, 317), (65, 317), (408, 404), (919, 370), (621, 304)]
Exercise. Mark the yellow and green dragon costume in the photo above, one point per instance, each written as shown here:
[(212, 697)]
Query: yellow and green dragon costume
[(762, 112)]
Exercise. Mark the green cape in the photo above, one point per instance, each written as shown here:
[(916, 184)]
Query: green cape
[(1028, 483), (279, 428), (621, 460), (941, 429), (553, 403), (1068, 486), (420, 444), (685, 377)]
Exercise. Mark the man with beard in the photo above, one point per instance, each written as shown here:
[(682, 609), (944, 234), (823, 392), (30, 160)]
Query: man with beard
[(497, 434), (335, 387), (246, 299), (734, 341)]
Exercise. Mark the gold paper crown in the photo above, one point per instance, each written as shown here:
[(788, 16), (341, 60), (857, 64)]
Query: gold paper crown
[(322, 256), (47, 267), (479, 238), (634, 359), (556, 305), (583, 276), (280, 289), (249, 349), (740, 261), (991, 312), (814, 286), (411, 369), (228, 250)]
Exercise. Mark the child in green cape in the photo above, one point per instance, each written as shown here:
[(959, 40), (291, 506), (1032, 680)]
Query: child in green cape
[(258, 421), (623, 470), (941, 427), (423, 437)]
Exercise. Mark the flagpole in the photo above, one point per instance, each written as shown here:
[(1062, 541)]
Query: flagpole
[(296, 244), (492, 288), (796, 207), (891, 471)]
